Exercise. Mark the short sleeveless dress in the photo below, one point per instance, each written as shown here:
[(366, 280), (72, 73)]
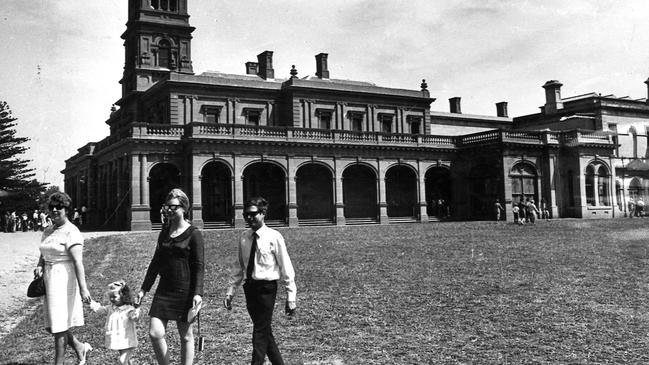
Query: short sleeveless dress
[(62, 307), (179, 261)]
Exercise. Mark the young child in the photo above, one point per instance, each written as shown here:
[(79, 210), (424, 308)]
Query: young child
[(121, 320)]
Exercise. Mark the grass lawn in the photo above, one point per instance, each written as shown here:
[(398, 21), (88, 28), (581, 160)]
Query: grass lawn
[(560, 292)]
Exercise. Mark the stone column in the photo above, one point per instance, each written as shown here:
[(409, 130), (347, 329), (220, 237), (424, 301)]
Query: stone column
[(383, 205), (140, 219), (340, 206), (196, 187), (238, 192), (292, 192), (423, 215)]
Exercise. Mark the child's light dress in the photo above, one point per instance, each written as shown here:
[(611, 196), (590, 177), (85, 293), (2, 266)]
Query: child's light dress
[(120, 329)]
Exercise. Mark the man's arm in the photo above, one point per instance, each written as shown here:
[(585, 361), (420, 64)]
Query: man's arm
[(236, 277), (287, 274)]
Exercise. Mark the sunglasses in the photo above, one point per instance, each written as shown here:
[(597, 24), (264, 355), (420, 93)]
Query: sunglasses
[(250, 214), (56, 206), (172, 207)]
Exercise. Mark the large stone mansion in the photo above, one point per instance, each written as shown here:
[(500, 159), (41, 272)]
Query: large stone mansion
[(326, 151)]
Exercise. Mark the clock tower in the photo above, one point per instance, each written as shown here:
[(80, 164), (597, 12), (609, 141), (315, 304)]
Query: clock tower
[(157, 41)]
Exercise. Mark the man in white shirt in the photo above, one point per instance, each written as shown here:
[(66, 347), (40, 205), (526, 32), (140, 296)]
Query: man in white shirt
[(260, 272)]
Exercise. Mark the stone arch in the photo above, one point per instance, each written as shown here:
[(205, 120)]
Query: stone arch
[(216, 192), (523, 179), (314, 191), (484, 188), (163, 177), (401, 191), (267, 179), (360, 191), (439, 191)]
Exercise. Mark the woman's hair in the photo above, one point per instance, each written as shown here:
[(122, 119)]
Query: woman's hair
[(60, 198), (123, 289), (182, 199)]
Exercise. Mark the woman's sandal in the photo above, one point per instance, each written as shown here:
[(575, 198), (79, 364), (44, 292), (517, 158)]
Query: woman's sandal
[(84, 355)]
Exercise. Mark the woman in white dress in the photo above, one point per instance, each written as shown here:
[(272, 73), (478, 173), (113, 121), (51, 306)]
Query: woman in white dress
[(61, 264)]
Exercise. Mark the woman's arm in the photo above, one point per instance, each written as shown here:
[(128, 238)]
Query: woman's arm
[(76, 251), (197, 262)]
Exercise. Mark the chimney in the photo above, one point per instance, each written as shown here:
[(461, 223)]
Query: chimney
[(501, 109), (252, 68), (455, 105), (553, 101), (321, 66), (265, 60)]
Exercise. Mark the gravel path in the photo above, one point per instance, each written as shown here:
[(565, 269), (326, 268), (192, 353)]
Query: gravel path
[(18, 257)]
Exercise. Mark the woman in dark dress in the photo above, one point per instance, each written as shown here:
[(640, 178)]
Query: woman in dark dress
[(178, 260)]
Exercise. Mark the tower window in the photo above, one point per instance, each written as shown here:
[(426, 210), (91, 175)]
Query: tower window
[(166, 5), (164, 53)]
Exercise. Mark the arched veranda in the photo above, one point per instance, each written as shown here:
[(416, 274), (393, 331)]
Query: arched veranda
[(401, 192), (162, 178), (314, 189), (267, 180), (359, 192), (216, 193)]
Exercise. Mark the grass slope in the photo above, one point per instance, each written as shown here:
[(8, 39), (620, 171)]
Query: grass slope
[(565, 291)]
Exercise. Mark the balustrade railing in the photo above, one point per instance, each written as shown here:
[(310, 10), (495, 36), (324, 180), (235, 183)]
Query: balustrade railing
[(235, 131)]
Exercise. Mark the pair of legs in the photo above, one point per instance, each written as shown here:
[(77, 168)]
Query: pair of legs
[(157, 332), (61, 340), (260, 301), (125, 356)]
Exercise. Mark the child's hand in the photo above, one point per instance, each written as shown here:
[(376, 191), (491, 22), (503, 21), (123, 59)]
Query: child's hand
[(94, 305), (134, 314)]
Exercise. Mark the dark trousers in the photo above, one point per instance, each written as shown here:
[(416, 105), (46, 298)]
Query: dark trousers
[(260, 301)]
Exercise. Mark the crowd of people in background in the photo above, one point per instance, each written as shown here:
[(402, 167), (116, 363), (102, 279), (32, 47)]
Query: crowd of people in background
[(524, 211), (636, 207), (35, 221)]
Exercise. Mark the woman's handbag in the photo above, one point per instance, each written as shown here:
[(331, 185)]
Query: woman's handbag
[(36, 288)]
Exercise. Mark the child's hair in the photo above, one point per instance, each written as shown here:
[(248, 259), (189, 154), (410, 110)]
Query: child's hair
[(124, 291)]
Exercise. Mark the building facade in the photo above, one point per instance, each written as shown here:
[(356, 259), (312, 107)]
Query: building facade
[(326, 151)]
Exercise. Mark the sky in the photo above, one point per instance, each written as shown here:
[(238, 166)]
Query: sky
[(61, 61)]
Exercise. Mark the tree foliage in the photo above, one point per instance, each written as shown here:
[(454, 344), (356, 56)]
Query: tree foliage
[(19, 188)]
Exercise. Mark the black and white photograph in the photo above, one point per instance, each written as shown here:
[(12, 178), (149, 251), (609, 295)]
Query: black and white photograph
[(324, 183)]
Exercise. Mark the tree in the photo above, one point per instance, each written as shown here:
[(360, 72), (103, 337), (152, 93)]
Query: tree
[(17, 181)]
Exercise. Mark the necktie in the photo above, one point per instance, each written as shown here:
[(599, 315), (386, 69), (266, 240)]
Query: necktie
[(251, 259)]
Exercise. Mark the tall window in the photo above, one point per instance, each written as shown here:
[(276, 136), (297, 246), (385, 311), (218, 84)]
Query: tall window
[(324, 119), (164, 53), (603, 186), (597, 185), (523, 179), (415, 124), (356, 121), (590, 185), (210, 113), (386, 122), (634, 137), (613, 128), (252, 116)]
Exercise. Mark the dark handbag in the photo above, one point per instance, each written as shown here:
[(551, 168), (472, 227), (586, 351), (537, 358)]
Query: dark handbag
[(36, 288)]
